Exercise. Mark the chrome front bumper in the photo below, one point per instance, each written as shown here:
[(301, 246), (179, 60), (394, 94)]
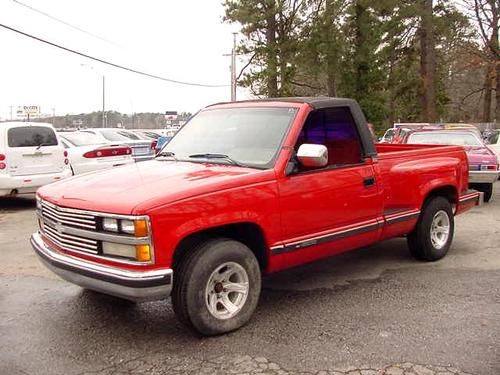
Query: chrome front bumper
[(483, 177), (132, 285)]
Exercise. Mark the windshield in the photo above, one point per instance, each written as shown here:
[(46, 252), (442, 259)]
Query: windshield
[(249, 136), (82, 139), (434, 138)]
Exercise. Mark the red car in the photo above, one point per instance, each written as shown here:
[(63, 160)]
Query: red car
[(483, 162), (245, 189)]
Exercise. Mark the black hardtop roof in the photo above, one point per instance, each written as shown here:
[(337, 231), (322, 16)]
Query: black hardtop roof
[(317, 102)]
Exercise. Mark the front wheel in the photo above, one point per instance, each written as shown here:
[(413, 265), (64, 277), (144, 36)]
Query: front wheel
[(433, 234), (217, 287)]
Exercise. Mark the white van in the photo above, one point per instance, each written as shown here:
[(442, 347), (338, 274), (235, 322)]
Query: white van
[(31, 155)]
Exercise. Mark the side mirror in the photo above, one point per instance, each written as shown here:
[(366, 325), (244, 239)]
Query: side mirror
[(313, 156)]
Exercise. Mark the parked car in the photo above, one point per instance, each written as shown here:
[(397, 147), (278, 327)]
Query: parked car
[(147, 134), (493, 142), (141, 149), (388, 135), (31, 156), (246, 189), (162, 141), (88, 152), (483, 163)]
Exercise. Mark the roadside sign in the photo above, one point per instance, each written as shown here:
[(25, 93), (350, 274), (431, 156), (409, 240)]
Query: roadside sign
[(28, 111)]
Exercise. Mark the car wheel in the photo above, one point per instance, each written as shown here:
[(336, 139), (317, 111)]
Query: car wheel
[(433, 234), (487, 189), (216, 287)]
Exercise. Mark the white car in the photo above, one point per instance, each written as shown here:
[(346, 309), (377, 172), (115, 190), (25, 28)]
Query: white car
[(88, 152), (31, 155), (141, 149)]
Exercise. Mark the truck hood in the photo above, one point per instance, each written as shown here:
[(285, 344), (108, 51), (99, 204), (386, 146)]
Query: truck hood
[(135, 188)]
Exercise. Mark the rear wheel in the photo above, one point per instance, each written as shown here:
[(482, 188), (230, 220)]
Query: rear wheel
[(487, 189), (216, 287), (433, 234)]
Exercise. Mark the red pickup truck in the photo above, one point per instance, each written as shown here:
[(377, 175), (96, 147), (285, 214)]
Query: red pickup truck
[(245, 189)]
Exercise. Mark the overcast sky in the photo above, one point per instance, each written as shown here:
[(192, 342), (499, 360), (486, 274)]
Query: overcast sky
[(179, 39)]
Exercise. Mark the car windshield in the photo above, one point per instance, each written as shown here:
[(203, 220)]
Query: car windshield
[(249, 136), (449, 138), (82, 139)]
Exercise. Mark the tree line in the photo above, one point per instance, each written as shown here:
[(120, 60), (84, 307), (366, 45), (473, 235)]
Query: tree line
[(403, 60)]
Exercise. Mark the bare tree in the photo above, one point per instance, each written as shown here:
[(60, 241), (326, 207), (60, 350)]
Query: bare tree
[(486, 15), (427, 63)]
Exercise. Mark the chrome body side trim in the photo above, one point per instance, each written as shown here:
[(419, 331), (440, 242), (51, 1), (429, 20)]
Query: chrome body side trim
[(397, 217), (333, 236)]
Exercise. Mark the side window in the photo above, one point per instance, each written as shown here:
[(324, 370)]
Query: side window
[(336, 129)]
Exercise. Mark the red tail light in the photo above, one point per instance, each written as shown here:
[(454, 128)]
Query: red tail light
[(65, 153), (2, 165), (106, 152), (492, 167), (153, 145)]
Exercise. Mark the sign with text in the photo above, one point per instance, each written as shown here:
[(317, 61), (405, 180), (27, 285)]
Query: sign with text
[(28, 111)]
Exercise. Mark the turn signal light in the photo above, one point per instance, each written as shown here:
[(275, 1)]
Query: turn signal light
[(140, 228), (143, 253)]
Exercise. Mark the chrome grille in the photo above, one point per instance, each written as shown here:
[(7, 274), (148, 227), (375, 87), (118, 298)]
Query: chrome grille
[(68, 216), (52, 221), (70, 242)]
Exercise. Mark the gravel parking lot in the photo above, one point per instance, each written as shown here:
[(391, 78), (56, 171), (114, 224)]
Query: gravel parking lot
[(372, 311)]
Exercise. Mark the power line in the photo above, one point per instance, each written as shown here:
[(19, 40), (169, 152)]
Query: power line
[(110, 63), (65, 23)]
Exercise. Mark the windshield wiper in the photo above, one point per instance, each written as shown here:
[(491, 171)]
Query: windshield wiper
[(217, 156), (168, 154), (41, 145)]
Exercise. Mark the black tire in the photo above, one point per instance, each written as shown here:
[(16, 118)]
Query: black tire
[(419, 240), (487, 189), (192, 275)]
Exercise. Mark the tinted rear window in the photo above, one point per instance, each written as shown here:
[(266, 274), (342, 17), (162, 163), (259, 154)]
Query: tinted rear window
[(31, 136)]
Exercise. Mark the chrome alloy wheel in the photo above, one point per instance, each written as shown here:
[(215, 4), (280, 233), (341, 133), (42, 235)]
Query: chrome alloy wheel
[(227, 290), (440, 229)]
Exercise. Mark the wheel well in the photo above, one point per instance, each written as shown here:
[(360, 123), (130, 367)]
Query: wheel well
[(249, 234), (448, 192)]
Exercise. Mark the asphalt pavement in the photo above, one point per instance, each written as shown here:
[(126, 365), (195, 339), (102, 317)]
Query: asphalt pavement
[(371, 311)]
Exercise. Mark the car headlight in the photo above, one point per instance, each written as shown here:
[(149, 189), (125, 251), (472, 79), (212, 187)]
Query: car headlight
[(110, 225), (127, 226), (141, 253), (38, 203), (137, 228)]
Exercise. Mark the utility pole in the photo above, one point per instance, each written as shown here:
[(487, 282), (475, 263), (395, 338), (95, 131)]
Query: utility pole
[(103, 101), (233, 70), (53, 116), (234, 82), (10, 113)]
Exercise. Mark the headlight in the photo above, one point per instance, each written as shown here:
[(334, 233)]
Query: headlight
[(128, 226), (141, 253), (138, 228), (110, 225), (38, 203)]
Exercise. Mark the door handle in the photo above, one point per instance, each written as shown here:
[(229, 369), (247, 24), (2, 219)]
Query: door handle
[(369, 181)]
